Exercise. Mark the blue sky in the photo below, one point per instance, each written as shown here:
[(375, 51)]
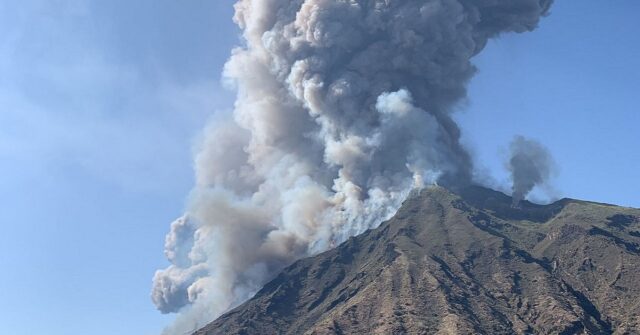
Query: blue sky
[(573, 84), (101, 103)]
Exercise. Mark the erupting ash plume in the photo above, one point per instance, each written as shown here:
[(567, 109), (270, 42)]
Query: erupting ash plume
[(343, 107), (530, 165)]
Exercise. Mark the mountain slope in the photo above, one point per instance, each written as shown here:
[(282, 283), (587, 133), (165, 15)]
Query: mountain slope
[(462, 264)]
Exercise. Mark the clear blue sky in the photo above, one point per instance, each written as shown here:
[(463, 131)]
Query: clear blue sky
[(101, 102)]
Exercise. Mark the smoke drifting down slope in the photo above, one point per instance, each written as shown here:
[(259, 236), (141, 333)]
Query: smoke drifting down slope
[(343, 107)]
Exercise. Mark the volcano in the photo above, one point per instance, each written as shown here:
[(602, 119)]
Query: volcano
[(463, 262)]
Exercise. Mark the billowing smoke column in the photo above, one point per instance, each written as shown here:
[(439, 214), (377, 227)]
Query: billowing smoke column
[(530, 165), (343, 107)]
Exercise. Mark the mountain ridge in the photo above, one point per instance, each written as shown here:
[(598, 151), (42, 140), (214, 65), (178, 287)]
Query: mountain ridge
[(462, 263)]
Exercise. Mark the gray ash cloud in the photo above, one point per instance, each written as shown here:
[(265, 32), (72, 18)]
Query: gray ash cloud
[(530, 164), (342, 108)]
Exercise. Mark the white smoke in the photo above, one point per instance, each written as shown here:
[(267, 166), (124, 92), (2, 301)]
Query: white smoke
[(343, 107)]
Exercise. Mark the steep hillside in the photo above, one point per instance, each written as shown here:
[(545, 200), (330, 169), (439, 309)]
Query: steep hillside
[(464, 263)]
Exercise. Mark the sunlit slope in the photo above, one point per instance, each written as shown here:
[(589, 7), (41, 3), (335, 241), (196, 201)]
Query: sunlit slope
[(465, 263)]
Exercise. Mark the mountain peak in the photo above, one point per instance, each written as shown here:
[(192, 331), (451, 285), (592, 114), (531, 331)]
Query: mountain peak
[(459, 263)]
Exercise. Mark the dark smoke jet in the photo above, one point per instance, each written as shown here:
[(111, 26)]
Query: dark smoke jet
[(530, 165), (343, 107)]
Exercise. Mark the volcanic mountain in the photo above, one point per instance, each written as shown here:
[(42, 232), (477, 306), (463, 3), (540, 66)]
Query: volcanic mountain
[(462, 263)]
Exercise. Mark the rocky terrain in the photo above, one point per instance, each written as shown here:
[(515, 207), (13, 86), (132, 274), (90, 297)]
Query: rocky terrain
[(465, 263)]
